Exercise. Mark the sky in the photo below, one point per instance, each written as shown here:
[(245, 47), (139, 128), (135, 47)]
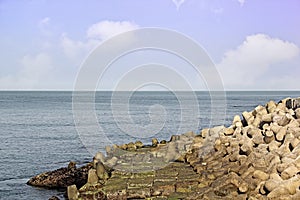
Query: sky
[(254, 44)]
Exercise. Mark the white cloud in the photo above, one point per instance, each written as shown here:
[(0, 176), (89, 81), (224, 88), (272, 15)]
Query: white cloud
[(241, 2), (44, 21), (106, 29), (76, 50), (39, 72), (245, 66), (34, 71), (96, 33), (43, 25)]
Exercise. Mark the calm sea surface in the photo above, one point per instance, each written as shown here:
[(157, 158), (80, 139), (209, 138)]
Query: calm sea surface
[(37, 129)]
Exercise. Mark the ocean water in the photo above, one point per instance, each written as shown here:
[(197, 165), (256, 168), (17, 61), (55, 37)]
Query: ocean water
[(38, 133)]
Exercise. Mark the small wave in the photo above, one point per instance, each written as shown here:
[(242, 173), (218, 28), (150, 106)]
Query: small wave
[(14, 180), (4, 191), (235, 106)]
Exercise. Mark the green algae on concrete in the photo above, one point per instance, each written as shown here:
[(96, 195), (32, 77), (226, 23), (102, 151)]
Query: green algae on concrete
[(174, 178)]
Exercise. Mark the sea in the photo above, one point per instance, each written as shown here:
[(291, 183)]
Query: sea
[(40, 130)]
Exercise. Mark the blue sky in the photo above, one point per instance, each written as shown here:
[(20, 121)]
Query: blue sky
[(254, 44)]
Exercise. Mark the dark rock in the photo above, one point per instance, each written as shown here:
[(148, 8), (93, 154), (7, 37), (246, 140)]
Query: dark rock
[(72, 165), (62, 178), (139, 144), (293, 103), (289, 103), (154, 142), (163, 142)]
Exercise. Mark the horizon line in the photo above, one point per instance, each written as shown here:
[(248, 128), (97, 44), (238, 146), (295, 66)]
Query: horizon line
[(229, 90)]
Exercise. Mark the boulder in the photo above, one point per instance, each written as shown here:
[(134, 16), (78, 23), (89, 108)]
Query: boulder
[(271, 106), (72, 192), (139, 144), (289, 172), (260, 111), (281, 108), (108, 150), (236, 118), (101, 171), (293, 103), (229, 131), (174, 138), (297, 112), (163, 142), (154, 142), (190, 134), (131, 146), (92, 177), (111, 162), (100, 157), (214, 132), (260, 175), (267, 118), (172, 153), (248, 118), (281, 133), (62, 178)]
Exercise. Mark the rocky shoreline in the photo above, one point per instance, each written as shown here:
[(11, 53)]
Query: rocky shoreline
[(62, 178), (257, 157)]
